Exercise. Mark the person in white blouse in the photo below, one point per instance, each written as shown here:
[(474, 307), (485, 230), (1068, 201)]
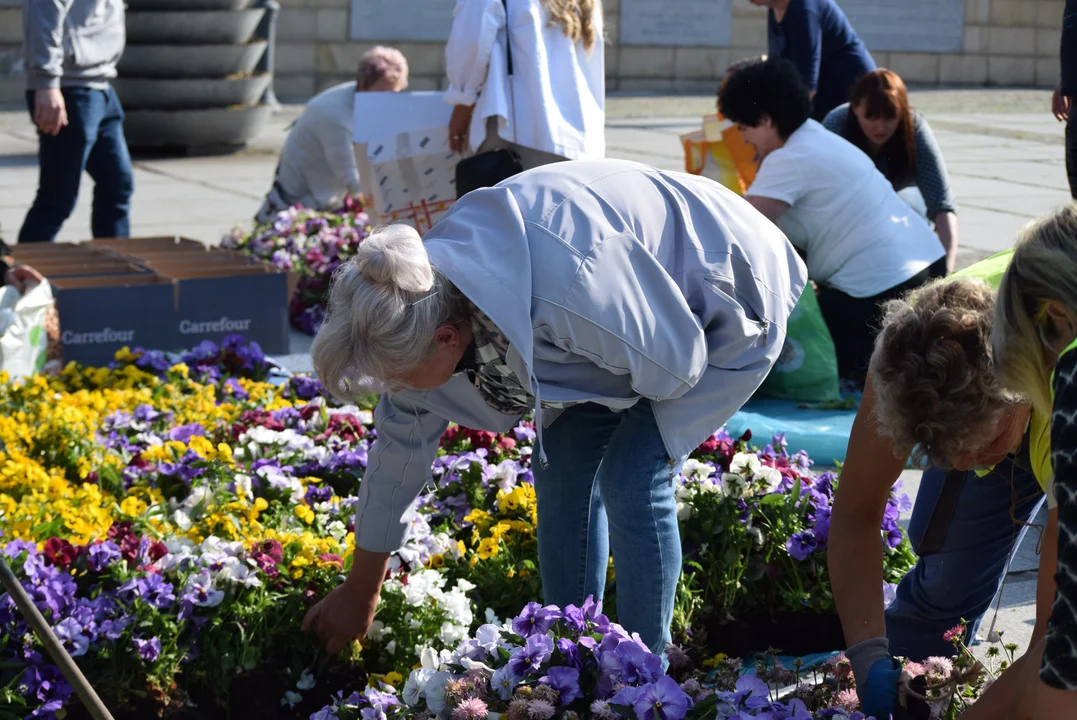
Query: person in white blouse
[(553, 108), (863, 244), (317, 166)]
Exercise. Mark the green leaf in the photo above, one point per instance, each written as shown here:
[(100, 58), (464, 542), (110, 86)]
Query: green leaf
[(773, 499)]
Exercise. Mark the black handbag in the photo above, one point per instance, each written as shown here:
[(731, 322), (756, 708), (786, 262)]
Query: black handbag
[(489, 168)]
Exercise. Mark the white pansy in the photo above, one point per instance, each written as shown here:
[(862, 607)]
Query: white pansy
[(745, 464), (488, 637), (697, 470), (214, 544), (390, 647), (734, 484), (181, 520), (492, 618), (415, 687), (772, 477), (243, 486), (428, 658), (306, 680), (684, 511), (240, 574), (337, 530), (504, 474), (291, 699), (376, 630), (435, 691), (451, 634), (199, 496)]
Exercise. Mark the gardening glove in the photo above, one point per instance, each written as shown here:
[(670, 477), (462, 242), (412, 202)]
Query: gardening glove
[(877, 677)]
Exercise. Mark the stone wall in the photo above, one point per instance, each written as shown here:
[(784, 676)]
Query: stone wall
[(1006, 42)]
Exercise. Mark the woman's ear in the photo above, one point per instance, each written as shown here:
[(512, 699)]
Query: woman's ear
[(1063, 322), (448, 335)]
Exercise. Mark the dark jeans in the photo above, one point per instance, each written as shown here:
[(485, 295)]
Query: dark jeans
[(854, 322), (964, 535), (92, 141), (1071, 150)]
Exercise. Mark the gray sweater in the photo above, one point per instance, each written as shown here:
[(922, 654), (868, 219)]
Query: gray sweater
[(72, 43)]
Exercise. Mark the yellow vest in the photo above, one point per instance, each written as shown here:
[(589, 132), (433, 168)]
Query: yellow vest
[(991, 270)]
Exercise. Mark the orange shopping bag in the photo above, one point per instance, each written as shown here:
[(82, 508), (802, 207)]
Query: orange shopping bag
[(716, 127), (712, 160)]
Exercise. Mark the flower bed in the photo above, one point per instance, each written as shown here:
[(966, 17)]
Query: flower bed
[(174, 521), (575, 663), (310, 243)]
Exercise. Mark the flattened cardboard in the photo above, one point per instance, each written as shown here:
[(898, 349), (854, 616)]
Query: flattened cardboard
[(163, 293), (127, 245)]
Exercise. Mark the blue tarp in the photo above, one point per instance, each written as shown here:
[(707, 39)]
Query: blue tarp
[(823, 434)]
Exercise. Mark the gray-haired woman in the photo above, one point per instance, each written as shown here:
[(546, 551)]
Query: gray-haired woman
[(633, 310)]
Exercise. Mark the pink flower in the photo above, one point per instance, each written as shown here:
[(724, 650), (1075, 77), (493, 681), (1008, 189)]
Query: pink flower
[(955, 633), (848, 700), (470, 709), (915, 669), (939, 666)]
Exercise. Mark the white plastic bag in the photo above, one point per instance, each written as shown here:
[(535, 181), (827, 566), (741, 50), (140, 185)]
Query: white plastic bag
[(23, 341)]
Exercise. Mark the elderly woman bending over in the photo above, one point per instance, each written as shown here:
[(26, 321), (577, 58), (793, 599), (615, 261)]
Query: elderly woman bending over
[(632, 310)]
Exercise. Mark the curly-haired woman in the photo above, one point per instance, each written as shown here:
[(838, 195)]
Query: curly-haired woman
[(932, 392)]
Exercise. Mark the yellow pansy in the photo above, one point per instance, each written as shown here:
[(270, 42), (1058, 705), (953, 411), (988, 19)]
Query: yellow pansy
[(132, 506), (488, 548)]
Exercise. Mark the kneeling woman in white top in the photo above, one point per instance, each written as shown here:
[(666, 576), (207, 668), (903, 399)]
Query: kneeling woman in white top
[(863, 244), (553, 107)]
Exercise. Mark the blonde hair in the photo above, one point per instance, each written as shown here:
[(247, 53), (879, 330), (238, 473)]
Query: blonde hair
[(937, 393), (576, 18), (385, 305), (1044, 267)]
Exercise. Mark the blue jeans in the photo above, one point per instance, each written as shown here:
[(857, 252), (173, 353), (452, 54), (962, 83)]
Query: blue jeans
[(959, 581), (609, 486), (92, 141)]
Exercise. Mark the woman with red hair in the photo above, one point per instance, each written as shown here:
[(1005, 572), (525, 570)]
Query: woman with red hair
[(879, 120)]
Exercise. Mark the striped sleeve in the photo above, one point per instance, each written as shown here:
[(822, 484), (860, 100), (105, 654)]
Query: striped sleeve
[(931, 176)]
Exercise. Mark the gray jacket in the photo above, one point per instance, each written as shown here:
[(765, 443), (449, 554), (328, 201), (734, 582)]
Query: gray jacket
[(72, 43), (613, 281)]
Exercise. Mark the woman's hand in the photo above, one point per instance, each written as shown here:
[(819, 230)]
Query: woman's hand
[(347, 612), (21, 276), (1060, 104), (459, 126)]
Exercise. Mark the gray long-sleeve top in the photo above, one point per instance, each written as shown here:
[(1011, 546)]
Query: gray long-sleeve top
[(72, 43), (929, 172)]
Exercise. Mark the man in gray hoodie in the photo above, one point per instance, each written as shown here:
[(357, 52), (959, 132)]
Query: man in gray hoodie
[(71, 49)]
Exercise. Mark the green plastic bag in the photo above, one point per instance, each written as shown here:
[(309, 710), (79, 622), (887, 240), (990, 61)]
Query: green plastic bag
[(807, 369)]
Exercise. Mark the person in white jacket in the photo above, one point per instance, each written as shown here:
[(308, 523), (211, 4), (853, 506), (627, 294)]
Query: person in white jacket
[(633, 310), (317, 166), (553, 107)]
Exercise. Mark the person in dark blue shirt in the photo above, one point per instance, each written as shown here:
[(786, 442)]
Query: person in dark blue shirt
[(816, 36), (1066, 91)]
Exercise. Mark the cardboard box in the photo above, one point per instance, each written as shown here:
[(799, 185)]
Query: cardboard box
[(160, 293), (402, 153)]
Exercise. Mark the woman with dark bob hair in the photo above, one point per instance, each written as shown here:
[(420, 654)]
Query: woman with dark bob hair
[(879, 120), (863, 244)]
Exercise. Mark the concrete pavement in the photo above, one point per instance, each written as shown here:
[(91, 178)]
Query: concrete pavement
[(1003, 149)]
